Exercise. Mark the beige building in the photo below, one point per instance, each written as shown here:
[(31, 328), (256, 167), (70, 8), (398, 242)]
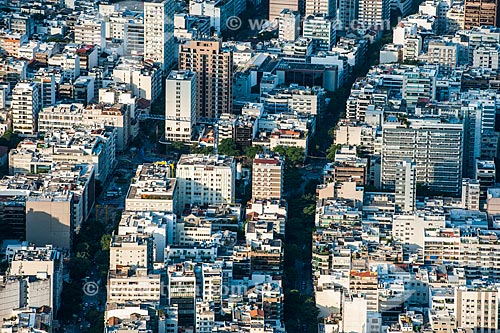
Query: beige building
[(277, 6), (289, 25), (477, 309), (267, 177), (214, 72), (409, 228), (152, 189), (206, 180), (134, 286), (130, 250), (479, 13), (192, 231), (50, 218)]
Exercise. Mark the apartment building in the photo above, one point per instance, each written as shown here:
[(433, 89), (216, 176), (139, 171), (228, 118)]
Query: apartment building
[(50, 218), (133, 286), (181, 288), (180, 106), (419, 84), (426, 142), (405, 198), (321, 7), (213, 66), (365, 282), (409, 228), (44, 262), (470, 194), (486, 56), (159, 33), (205, 180), (131, 250), (143, 78), (478, 13), (160, 225), (442, 53), (277, 6), (321, 30), (267, 177), (26, 103), (90, 30), (373, 13), (476, 308), (289, 25), (153, 189), (96, 147)]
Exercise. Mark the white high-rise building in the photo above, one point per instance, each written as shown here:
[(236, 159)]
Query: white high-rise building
[(159, 32), (479, 110), (406, 186), (321, 30), (26, 103), (322, 7), (206, 180), (470, 194), (90, 30), (408, 229), (180, 105), (374, 13), (435, 147), (289, 25)]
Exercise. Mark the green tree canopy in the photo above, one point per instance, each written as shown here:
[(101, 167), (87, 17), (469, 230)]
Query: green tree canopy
[(293, 155), (330, 152), (251, 151), (228, 147)]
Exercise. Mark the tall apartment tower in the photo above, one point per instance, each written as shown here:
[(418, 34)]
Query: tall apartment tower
[(373, 13), (405, 186), (435, 147), (320, 7), (277, 6), (470, 194), (289, 25), (347, 13), (267, 177), (479, 13), (26, 103), (159, 32), (180, 105), (214, 75), (481, 139), (477, 307)]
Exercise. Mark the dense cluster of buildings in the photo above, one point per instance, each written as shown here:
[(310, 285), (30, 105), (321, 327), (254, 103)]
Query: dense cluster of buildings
[(407, 216), (406, 233)]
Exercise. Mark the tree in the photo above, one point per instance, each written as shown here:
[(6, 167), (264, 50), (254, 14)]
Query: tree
[(105, 242), (293, 155), (10, 139), (331, 151), (228, 147), (251, 151), (195, 149), (71, 300)]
